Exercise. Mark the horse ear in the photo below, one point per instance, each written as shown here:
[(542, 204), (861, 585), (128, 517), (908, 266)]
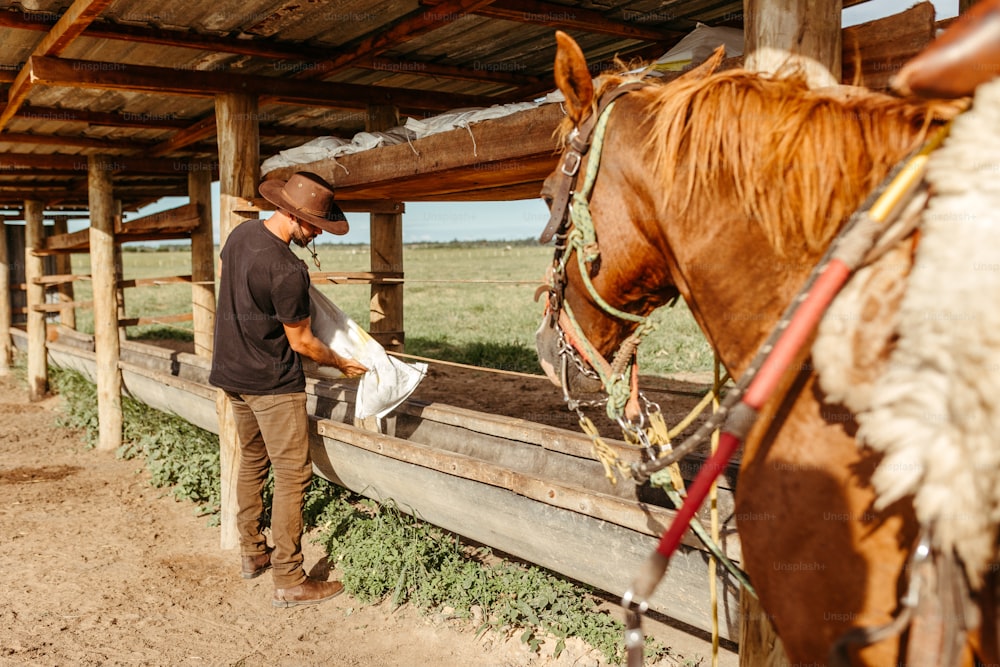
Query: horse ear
[(573, 77), (706, 68)]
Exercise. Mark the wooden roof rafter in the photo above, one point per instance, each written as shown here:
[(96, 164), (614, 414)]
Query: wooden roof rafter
[(364, 54), (144, 121), (69, 26), (197, 83), (266, 49), (11, 162), (567, 17), (75, 141), (412, 25)]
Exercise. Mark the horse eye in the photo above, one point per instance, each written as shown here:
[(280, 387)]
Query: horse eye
[(548, 201)]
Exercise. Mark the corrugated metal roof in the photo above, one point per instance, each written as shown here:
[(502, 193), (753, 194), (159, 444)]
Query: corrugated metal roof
[(500, 52)]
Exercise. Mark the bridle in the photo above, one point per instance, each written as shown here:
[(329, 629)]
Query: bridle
[(571, 224)]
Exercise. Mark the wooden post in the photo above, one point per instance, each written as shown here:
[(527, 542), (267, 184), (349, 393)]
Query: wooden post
[(34, 234), (386, 303), (239, 172), (778, 34), (781, 33), (6, 345), (64, 266), (103, 210), (202, 260), (119, 277), (759, 643)]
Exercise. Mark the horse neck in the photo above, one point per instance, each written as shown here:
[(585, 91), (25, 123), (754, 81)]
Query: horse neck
[(734, 283), (736, 280)]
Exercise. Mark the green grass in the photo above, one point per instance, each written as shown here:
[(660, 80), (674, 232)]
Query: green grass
[(450, 311)]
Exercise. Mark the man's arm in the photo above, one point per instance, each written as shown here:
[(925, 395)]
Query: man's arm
[(302, 340)]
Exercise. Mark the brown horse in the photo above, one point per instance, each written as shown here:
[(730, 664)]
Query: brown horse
[(726, 188)]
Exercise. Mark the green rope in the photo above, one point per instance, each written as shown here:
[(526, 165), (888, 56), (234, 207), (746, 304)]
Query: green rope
[(583, 240), (583, 221)]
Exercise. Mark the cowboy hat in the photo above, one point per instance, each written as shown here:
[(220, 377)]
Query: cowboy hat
[(307, 196)]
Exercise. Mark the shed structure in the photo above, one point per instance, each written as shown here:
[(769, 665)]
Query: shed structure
[(114, 104)]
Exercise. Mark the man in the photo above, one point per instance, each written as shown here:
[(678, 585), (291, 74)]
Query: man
[(261, 330)]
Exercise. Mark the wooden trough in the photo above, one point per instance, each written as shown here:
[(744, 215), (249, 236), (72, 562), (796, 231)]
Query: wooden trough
[(520, 487)]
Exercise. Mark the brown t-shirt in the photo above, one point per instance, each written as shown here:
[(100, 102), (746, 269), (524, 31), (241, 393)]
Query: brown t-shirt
[(263, 285)]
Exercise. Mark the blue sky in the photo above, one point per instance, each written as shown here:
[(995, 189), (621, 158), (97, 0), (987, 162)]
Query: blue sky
[(510, 220)]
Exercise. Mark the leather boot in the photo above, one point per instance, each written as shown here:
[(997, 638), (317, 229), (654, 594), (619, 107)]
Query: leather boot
[(253, 566), (310, 591)]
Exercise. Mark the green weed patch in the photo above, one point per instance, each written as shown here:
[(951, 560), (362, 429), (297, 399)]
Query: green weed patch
[(383, 552)]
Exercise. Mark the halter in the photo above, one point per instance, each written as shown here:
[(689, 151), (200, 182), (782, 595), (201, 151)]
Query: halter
[(572, 225)]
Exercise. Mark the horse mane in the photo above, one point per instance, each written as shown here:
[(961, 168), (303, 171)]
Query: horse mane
[(799, 160)]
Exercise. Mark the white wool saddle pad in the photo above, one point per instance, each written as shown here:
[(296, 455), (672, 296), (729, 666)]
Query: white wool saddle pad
[(933, 405)]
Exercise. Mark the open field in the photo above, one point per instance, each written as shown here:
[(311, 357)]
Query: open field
[(452, 312)]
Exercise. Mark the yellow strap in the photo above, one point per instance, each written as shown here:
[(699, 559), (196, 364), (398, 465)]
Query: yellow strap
[(603, 451), (698, 409), (713, 499)]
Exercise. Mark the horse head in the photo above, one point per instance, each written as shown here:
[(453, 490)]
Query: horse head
[(601, 283)]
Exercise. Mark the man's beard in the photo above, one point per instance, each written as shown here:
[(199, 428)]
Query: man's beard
[(299, 237)]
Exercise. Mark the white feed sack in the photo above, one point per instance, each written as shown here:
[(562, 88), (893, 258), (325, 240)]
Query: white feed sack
[(388, 381)]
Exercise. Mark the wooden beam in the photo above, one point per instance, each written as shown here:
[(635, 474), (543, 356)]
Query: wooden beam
[(198, 131), (258, 204), (202, 263), (268, 49), (356, 277), (449, 163), (106, 343), (69, 26), (62, 278), (418, 68), (410, 26), (155, 282), (77, 141), (760, 645), (239, 174), (34, 237), (64, 288), (790, 33), (569, 17), (182, 218), (60, 306), (154, 319), (6, 344), (14, 163), (110, 119), (385, 303), (166, 81), (16, 95)]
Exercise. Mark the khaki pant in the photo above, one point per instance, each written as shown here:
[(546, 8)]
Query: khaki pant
[(273, 432)]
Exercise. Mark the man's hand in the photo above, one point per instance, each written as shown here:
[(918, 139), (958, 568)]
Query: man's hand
[(302, 340), (351, 368)]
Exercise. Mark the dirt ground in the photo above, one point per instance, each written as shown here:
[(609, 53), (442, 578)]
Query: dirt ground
[(100, 568)]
